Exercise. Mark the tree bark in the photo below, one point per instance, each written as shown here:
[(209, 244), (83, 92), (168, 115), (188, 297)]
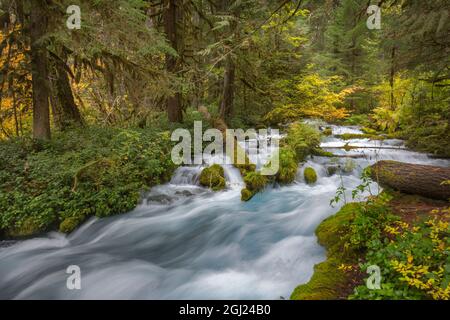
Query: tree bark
[(39, 70), (413, 178), (66, 110), (228, 91), (171, 17), (226, 106), (392, 78)]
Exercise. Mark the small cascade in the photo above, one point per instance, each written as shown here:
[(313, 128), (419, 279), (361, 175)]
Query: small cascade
[(187, 175)]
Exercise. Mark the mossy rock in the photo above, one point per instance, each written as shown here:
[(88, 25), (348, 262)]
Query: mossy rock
[(332, 170), (246, 194), (310, 175), (213, 177), (245, 168), (255, 181), (328, 132), (70, 224)]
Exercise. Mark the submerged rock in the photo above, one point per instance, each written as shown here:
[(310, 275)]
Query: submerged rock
[(332, 170)]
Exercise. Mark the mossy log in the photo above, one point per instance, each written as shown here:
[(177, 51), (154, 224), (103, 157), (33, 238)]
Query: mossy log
[(423, 180)]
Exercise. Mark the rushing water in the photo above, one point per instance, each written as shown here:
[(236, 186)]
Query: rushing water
[(186, 242)]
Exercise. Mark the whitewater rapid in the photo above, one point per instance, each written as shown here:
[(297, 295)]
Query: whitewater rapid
[(186, 242)]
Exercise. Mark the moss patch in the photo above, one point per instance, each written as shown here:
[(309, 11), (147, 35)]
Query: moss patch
[(328, 132), (213, 177), (329, 281), (246, 194), (288, 166), (27, 228), (319, 152), (255, 181), (350, 136), (310, 175), (70, 224)]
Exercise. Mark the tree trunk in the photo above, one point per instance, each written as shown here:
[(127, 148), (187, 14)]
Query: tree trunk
[(226, 106), (392, 78), (413, 178), (66, 110), (227, 102), (171, 16), (39, 70)]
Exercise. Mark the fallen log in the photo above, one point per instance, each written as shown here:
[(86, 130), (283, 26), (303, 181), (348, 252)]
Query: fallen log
[(349, 147), (416, 179)]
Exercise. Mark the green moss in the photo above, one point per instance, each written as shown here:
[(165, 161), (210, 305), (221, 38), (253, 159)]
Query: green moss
[(302, 139), (331, 232), (27, 228), (328, 281), (324, 284), (70, 224), (367, 130), (328, 132), (288, 166), (255, 181), (310, 175), (331, 170), (319, 152), (246, 194), (350, 136), (213, 177)]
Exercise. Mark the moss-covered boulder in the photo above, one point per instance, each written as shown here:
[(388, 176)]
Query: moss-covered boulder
[(255, 181), (328, 131), (332, 170), (213, 177), (310, 175), (246, 194)]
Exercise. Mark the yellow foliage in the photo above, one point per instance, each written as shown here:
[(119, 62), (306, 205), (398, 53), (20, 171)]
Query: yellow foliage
[(313, 97)]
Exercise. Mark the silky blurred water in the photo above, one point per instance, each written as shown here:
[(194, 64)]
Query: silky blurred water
[(186, 242)]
